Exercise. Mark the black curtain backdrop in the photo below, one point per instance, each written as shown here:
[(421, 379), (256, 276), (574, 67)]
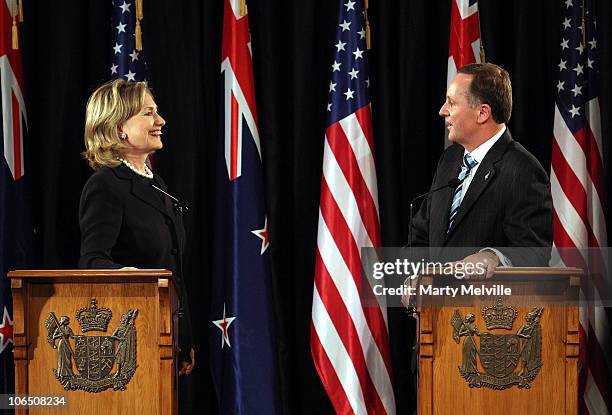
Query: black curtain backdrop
[(66, 55)]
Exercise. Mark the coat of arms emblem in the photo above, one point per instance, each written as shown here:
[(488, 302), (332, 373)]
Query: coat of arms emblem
[(499, 354), (101, 361)]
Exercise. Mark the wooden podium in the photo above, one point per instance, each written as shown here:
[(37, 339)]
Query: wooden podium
[(444, 356), (131, 363)]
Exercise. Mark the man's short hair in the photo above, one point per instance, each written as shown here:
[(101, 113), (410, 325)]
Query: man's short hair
[(490, 85)]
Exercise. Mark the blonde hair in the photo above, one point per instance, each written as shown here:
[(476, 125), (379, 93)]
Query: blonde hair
[(108, 107)]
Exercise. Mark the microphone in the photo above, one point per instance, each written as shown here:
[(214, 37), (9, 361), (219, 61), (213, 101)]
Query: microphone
[(179, 207), (452, 183)]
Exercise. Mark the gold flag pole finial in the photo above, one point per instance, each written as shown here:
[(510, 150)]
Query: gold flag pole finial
[(367, 26), (483, 58), (243, 8), (14, 31), (138, 33)]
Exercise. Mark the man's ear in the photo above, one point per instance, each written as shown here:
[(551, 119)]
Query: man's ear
[(484, 113)]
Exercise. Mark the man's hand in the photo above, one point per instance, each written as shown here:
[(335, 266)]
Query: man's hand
[(486, 258), (187, 367), (406, 296)]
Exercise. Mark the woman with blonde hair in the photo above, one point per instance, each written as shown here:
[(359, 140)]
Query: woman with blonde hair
[(127, 218)]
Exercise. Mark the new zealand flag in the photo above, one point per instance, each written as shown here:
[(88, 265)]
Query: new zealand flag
[(15, 229), (242, 346)]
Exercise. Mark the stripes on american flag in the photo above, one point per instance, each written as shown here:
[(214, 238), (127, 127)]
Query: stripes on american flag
[(349, 339), (577, 174)]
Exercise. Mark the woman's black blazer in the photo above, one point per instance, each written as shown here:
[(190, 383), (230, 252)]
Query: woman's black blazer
[(124, 222)]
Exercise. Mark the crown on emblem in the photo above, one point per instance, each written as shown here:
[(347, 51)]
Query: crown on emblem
[(499, 316), (94, 318)]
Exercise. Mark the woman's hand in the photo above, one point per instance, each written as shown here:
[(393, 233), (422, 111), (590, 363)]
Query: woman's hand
[(187, 367)]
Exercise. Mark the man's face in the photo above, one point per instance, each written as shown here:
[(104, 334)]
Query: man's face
[(461, 119)]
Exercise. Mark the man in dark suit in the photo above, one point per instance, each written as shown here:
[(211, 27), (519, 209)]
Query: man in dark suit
[(503, 206)]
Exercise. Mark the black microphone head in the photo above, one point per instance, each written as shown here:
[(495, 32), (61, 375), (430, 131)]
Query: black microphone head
[(454, 182)]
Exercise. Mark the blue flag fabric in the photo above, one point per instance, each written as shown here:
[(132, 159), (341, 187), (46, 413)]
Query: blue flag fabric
[(126, 62), (242, 347)]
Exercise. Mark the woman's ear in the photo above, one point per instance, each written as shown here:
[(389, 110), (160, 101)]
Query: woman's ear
[(120, 132)]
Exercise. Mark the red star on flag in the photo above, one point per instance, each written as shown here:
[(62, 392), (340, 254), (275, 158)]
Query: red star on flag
[(263, 234), (223, 325), (6, 330)]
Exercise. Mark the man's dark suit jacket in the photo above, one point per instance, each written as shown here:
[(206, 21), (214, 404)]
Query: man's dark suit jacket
[(126, 222), (507, 205)]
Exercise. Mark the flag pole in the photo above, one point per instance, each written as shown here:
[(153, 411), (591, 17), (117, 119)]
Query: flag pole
[(367, 26), (138, 31), (483, 58), (14, 31)]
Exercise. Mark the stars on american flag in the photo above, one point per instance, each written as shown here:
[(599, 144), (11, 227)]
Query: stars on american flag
[(126, 62), (223, 324), (125, 7), (120, 28), (345, 25), (577, 65), (566, 23), (6, 330), (348, 89)]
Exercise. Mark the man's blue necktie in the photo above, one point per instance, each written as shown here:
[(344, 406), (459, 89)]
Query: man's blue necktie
[(466, 166)]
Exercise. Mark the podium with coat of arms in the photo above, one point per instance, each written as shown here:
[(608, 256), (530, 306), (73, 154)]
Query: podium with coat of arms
[(515, 354), (95, 341)]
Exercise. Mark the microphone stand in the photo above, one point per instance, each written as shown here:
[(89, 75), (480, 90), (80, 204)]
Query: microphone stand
[(178, 205), (411, 309), (453, 183)]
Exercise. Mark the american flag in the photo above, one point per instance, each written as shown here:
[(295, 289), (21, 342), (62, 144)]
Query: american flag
[(349, 339), (464, 43), (242, 347), (577, 182), (126, 62), (15, 232)]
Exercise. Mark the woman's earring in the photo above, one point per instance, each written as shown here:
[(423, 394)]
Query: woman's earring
[(123, 136)]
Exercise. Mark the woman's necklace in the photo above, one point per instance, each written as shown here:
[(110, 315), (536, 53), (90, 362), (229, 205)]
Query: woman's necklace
[(146, 173)]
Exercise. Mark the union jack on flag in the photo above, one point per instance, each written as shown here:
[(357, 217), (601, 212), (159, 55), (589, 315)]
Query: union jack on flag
[(464, 43), (14, 118), (242, 346), (349, 339), (578, 191)]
